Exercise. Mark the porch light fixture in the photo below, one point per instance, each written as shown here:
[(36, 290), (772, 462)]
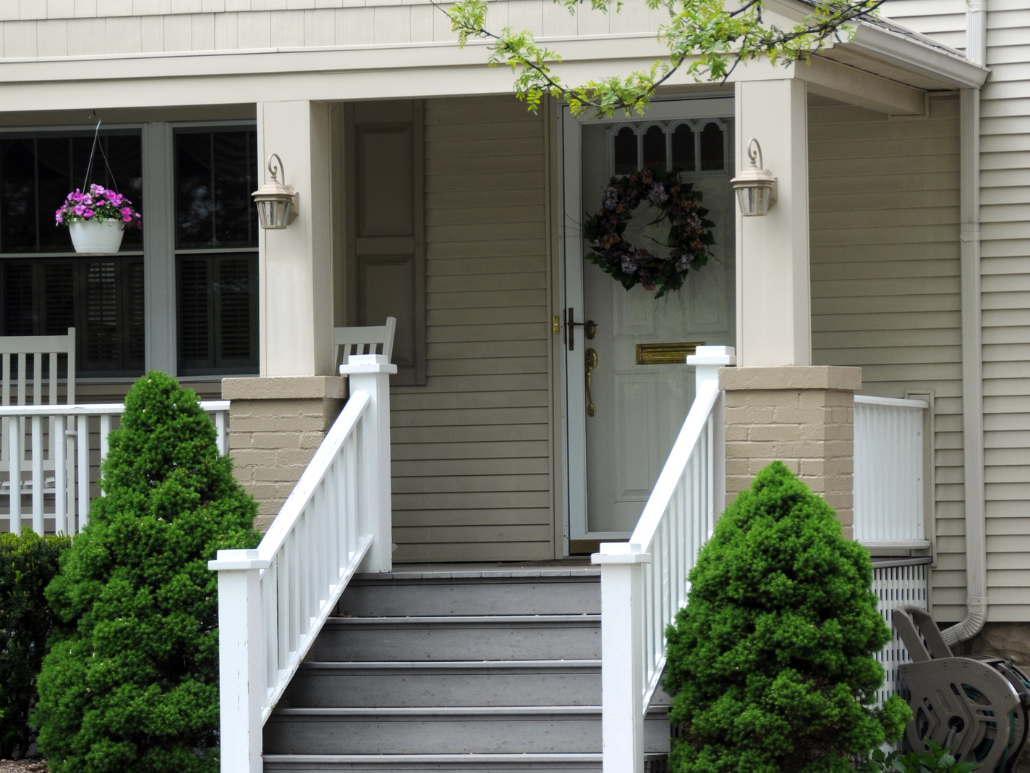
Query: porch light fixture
[(276, 201), (755, 186)]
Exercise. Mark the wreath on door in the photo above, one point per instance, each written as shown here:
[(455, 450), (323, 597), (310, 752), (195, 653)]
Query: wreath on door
[(690, 233)]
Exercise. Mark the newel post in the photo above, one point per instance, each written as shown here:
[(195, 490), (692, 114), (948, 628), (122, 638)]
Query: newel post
[(622, 656), (241, 659), (371, 373), (707, 360)]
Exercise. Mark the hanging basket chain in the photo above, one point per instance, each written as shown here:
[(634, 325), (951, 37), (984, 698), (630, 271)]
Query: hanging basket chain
[(92, 153)]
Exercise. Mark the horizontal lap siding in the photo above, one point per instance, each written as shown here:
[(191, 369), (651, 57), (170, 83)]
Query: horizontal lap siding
[(471, 449), (35, 28), (1005, 230), (885, 281)]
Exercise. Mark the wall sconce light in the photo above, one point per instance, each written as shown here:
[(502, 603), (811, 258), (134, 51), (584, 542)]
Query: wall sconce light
[(755, 186), (276, 202)]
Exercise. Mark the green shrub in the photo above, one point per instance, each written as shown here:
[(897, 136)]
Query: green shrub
[(770, 663), (130, 682), (27, 565), (936, 760)]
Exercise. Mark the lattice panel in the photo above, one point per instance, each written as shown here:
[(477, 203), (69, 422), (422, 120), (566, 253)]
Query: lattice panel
[(897, 586)]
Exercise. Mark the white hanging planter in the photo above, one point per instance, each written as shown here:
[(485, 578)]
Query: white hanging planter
[(97, 237)]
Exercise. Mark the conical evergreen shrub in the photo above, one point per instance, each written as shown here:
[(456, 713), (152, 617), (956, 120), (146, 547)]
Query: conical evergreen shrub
[(130, 681), (771, 662)]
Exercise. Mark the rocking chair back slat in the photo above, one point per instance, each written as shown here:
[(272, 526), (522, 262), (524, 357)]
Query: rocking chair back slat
[(364, 340)]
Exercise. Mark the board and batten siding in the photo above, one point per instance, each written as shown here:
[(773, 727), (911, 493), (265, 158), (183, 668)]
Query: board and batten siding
[(1005, 278), (472, 458), (885, 282)]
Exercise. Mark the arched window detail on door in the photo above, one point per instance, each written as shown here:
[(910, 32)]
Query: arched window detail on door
[(684, 152), (625, 155), (654, 147), (713, 147)]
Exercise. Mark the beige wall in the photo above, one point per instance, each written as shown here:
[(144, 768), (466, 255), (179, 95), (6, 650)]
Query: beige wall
[(41, 28), (885, 282), (471, 449)]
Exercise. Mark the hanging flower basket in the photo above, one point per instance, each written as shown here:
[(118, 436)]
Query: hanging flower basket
[(97, 219), (678, 205)]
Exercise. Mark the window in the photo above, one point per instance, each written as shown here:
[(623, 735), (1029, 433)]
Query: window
[(216, 239), (692, 146), (44, 287)]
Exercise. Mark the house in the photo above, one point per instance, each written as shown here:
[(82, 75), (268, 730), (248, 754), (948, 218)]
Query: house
[(892, 264)]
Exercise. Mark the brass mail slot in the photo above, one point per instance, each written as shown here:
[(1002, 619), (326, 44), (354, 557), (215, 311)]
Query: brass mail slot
[(666, 354)]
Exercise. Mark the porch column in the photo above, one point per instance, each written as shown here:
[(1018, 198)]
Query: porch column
[(774, 316), (278, 421), (778, 405)]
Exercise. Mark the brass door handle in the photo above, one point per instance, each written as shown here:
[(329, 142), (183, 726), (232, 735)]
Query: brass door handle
[(591, 361)]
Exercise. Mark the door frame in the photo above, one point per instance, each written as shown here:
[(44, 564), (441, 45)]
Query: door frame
[(570, 260)]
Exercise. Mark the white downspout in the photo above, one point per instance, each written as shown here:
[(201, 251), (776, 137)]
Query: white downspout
[(972, 342)]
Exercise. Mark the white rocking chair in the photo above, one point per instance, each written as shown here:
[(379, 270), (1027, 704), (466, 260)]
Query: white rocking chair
[(20, 355), (364, 340)]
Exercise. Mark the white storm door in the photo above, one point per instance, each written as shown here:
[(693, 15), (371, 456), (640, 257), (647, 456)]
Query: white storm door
[(615, 455)]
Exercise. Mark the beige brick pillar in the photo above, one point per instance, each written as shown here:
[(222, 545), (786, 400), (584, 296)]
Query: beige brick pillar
[(803, 416), (275, 426)]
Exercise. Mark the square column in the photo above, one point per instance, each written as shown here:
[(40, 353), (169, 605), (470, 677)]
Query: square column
[(774, 316), (296, 282)]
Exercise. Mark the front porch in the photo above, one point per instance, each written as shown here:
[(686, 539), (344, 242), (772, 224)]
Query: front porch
[(450, 213)]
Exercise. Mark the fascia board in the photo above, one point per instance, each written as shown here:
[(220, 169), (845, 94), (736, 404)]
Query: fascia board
[(908, 53)]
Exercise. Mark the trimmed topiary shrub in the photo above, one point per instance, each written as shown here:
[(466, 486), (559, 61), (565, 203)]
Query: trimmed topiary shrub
[(130, 682), (771, 662), (27, 565)]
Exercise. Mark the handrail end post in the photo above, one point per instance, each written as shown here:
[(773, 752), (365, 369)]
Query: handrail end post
[(707, 360), (373, 377), (622, 665), (241, 659)]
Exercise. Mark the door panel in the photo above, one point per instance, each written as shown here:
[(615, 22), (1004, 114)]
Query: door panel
[(640, 406)]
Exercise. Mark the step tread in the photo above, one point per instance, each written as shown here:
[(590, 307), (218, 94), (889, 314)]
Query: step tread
[(437, 665), (467, 757), (482, 574), (346, 620), (447, 711)]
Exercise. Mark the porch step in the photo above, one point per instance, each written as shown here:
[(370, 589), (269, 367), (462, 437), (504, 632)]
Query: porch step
[(448, 729), (483, 637), (463, 670), (470, 683), (480, 592)]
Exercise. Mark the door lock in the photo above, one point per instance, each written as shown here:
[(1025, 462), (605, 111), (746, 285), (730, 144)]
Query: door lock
[(589, 328)]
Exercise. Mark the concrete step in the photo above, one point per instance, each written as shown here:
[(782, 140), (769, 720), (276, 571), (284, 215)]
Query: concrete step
[(462, 683), (451, 730), (476, 592), (482, 637)]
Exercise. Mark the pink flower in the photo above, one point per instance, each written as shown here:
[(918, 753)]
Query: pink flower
[(88, 212), (127, 213), (60, 218), (77, 196)]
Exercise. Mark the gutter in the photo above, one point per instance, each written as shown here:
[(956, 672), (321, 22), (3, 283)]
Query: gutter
[(972, 340), (912, 52)]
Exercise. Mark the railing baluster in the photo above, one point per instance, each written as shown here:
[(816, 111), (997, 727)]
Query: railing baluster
[(82, 444), (37, 479), (14, 438), (60, 470)]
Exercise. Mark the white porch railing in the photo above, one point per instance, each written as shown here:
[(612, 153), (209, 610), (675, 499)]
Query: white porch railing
[(890, 473), (644, 582), (272, 601), (50, 454)]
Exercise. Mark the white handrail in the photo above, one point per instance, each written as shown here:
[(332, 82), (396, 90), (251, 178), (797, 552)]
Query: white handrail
[(644, 581), (273, 600), (889, 473), (59, 471)]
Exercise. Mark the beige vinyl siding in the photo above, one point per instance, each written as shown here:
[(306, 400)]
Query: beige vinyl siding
[(1005, 267), (943, 20), (471, 449), (42, 28), (885, 282)]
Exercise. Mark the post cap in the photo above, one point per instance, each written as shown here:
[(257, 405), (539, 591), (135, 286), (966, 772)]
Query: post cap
[(724, 356)]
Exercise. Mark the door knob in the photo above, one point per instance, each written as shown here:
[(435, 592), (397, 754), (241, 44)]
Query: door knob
[(591, 362)]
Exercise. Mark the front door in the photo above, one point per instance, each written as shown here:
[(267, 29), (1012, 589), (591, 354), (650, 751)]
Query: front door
[(635, 389)]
